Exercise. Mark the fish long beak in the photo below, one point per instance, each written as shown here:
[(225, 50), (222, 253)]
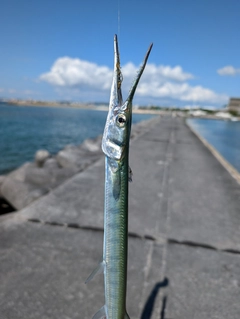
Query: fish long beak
[(138, 76), (116, 92)]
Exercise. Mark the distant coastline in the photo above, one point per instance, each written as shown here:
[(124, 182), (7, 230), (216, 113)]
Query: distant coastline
[(223, 114), (78, 105), (54, 104)]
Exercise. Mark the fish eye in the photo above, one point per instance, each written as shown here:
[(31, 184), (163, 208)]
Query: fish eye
[(121, 120)]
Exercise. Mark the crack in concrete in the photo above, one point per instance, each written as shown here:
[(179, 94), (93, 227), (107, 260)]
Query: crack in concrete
[(189, 243), (78, 226), (170, 241)]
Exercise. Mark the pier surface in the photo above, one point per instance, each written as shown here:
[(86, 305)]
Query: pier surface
[(184, 237)]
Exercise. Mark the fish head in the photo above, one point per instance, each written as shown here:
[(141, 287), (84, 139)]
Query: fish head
[(117, 130)]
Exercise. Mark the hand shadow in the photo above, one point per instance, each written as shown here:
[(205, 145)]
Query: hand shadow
[(149, 305)]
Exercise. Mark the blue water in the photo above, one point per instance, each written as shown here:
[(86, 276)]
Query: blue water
[(224, 136), (24, 130)]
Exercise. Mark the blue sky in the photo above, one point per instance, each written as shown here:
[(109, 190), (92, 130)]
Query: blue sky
[(63, 50)]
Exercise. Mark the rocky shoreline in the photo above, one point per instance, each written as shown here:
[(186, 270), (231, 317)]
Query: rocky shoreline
[(35, 179)]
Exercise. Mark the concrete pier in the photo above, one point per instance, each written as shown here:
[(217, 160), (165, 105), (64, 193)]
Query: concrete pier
[(184, 237)]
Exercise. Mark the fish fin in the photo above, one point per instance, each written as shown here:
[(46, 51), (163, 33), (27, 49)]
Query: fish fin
[(126, 316), (101, 314), (130, 174), (98, 270)]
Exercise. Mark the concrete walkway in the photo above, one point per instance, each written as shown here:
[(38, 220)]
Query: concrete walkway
[(184, 240)]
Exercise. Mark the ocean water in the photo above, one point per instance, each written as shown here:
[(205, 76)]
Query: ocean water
[(224, 136), (26, 129)]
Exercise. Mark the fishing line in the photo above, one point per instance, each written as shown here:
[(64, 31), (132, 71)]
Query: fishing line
[(119, 19), (121, 76)]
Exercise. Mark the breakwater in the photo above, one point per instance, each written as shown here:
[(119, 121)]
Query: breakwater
[(184, 247)]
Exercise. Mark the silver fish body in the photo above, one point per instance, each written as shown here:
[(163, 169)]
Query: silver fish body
[(115, 145)]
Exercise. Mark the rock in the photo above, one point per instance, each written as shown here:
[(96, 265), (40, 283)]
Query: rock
[(32, 180), (15, 192), (75, 158), (28, 183), (68, 158), (49, 176), (41, 156), (14, 189), (20, 173), (92, 145), (34, 195), (2, 177), (37, 176), (51, 163)]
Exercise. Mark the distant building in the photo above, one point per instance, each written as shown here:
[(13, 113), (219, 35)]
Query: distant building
[(234, 104)]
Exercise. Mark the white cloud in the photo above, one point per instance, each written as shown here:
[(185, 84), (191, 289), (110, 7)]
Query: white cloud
[(158, 81), (228, 70), (180, 91), (2, 90), (75, 72), (166, 72), (158, 73)]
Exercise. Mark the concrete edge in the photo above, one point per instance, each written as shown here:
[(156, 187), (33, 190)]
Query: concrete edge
[(231, 170)]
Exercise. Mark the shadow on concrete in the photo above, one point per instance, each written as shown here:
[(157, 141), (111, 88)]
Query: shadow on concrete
[(164, 304), (149, 305)]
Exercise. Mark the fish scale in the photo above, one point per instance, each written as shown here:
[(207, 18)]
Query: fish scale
[(115, 145), (115, 249)]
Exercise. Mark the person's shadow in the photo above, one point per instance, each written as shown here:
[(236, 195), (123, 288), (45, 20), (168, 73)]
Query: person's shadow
[(149, 305)]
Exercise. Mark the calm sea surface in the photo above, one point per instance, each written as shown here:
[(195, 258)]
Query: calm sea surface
[(24, 130), (223, 135)]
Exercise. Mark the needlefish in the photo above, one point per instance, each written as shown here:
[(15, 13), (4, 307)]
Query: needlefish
[(115, 145)]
